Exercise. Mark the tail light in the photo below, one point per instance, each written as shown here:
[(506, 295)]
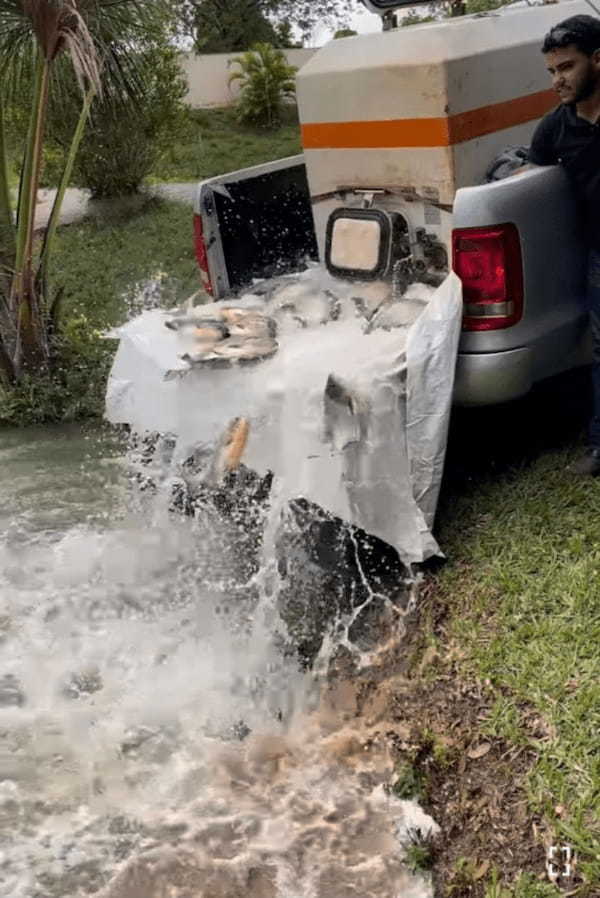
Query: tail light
[(488, 262), (201, 255)]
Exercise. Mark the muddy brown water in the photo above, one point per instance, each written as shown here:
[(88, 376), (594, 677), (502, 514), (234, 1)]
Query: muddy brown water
[(154, 740)]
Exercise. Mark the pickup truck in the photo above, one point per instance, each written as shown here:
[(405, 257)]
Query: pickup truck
[(374, 195)]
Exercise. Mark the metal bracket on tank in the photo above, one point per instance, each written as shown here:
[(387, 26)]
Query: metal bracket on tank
[(408, 194), (368, 196)]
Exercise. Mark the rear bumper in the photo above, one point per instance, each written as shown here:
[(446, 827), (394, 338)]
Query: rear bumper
[(492, 377)]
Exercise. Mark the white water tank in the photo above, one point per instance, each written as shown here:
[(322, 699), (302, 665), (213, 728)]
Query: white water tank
[(426, 108)]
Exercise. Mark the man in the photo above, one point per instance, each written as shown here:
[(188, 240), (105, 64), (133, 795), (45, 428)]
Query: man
[(570, 135)]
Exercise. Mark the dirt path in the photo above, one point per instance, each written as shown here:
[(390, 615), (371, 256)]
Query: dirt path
[(77, 202)]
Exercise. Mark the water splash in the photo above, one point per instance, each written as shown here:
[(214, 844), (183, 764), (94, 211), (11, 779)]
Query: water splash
[(350, 416), (159, 735)]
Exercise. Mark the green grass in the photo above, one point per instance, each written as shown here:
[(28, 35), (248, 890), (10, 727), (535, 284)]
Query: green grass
[(526, 886), (213, 143), (408, 782), (101, 262), (523, 597), (419, 852), (104, 266)]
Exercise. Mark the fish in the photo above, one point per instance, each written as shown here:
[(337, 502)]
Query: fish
[(236, 439), (204, 358), (230, 333), (184, 312), (234, 349), (192, 316), (346, 414), (210, 330), (230, 449), (369, 298), (239, 349), (266, 288), (176, 373), (192, 322), (311, 304), (338, 391), (401, 313), (249, 322)]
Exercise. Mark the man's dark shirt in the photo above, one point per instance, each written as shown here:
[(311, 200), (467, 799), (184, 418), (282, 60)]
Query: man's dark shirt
[(563, 137)]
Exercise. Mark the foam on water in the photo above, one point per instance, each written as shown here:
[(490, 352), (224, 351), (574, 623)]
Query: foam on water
[(155, 739)]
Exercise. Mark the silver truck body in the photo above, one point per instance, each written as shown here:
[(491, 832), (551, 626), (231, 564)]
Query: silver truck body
[(497, 365), (552, 336)]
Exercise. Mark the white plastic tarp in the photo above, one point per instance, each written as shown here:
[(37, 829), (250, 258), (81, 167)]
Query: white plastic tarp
[(371, 452)]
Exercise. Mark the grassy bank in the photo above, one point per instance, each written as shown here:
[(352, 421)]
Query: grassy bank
[(125, 257), (213, 142), (104, 262), (506, 673), (210, 142), (101, 264), (523, 599)]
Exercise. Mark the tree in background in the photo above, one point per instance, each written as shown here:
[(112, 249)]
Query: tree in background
[(199, 18), (285, 36), (266, 81), (307, 15), (229, 26), (344, 32), (125, 137), (412, 17), (96, 37), (449, 9)]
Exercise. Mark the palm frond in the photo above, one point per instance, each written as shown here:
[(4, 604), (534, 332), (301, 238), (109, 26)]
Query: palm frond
[(99, 37), (74, 36), (100, 40)]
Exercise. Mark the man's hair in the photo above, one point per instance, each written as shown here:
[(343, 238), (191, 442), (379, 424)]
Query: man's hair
[(582, 32)]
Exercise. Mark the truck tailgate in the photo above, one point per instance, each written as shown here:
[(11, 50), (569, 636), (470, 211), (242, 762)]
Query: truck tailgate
[(256, 223)]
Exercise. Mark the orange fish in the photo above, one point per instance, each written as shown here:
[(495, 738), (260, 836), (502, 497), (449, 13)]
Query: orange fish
[(228, 453)]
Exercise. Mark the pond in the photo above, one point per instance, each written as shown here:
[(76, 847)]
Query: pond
[(154, 740)]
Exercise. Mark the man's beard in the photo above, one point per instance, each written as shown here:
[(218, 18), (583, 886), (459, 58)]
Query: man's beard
[(586, 88)]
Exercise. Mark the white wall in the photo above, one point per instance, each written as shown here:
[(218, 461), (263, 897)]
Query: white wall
[(208, 75)]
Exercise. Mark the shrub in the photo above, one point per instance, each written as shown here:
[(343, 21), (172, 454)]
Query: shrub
[(124, 139), (70, 390), (266, 80)]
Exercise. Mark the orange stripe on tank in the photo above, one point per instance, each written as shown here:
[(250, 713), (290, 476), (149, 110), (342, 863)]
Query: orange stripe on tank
[(499, 116), (418, 132), (428, 132)]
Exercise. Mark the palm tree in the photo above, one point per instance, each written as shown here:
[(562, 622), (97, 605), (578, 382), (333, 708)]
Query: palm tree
[(266, 81), (96, 38)]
